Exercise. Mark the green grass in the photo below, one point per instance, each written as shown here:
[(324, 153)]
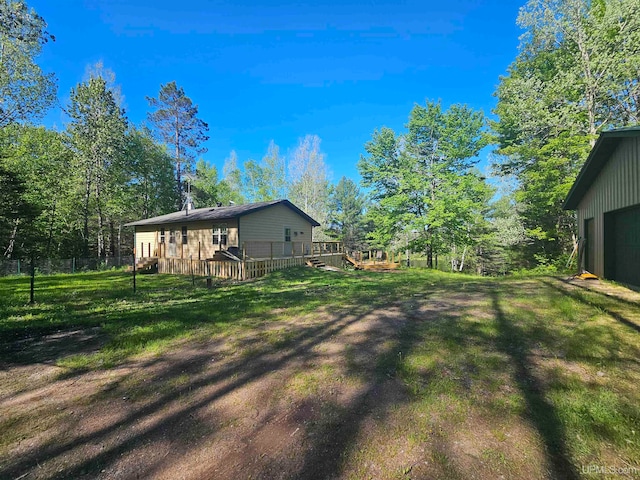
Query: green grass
[(534, 367), (168, 308)]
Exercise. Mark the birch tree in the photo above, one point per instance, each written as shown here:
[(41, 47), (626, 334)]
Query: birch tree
[(309, 184), (97, 135)]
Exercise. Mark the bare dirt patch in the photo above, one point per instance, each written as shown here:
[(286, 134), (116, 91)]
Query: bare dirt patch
[(445, 384)]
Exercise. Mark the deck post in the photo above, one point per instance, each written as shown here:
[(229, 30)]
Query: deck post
[(271, 243), (33, 277), (134, 270)]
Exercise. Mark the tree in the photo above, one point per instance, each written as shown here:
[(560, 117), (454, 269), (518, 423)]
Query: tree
[(346, 221), (423, 182), (97, 135), (151, 191), (43, 161), (575, 75), (309, 186), (232, 178), (25, 91), (16, 212), (206, 189), (267, 180), (177, 123)]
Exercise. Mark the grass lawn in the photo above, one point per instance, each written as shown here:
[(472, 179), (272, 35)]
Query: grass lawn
[(318, 374)]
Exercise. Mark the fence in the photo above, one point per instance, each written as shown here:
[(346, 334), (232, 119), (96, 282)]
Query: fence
[(49, 266), (233, 270)]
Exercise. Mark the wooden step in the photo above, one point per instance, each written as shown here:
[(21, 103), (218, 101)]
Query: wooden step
[(315, 263), (146, 264)]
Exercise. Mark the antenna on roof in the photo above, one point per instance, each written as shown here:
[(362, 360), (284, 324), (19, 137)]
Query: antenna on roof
[(188, 201)]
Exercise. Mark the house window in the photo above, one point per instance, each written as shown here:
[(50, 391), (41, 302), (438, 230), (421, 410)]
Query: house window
[(172, 236), (287, 234), (184, 235), (162, 235), (220, 234)]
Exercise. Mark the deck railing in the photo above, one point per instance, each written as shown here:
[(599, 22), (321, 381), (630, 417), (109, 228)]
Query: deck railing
[(261, 249), (248, 268)]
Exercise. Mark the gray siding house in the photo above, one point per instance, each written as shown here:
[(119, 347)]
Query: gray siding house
[(606, 195)]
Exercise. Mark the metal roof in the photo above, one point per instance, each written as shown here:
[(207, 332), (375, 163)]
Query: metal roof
[(597, 159), (218, 213)]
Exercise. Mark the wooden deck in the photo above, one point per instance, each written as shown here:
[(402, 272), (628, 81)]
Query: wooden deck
[(367, 261), (242, 270)]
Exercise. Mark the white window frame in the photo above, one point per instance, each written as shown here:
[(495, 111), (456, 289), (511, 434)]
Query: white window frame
[(220, 234)]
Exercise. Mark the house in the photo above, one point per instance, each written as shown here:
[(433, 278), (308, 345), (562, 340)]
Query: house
[(273, 229), (606, 195)]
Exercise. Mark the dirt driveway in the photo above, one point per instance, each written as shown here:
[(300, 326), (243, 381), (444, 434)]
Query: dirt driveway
[(318, 396)]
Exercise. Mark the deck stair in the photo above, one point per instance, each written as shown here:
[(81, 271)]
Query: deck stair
[(353, 262), (147, 265), (315, 263)]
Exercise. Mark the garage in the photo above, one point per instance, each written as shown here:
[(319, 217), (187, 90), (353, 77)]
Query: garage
[(622, 245), (606, 196)]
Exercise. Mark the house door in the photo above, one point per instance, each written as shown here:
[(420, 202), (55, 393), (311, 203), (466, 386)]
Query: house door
[(172, 244)]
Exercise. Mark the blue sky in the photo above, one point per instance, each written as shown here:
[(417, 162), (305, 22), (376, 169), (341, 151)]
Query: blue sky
[(278, 70)]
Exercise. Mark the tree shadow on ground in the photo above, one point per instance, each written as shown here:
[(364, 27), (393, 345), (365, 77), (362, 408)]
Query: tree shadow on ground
[(580, 297), (513, 341)]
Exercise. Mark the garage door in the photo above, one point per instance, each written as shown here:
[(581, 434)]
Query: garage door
[(622, 246)]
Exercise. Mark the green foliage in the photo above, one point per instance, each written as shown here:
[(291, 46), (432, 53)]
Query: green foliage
[(43, 160), (576, 75), (26, 91), (176, 121), (232, 178), (97, 136), (16, 214), (423, 183), (346, 221), (309, 184), (151, 191), (266, 180)]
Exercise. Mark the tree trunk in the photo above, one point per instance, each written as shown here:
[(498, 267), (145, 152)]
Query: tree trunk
[(12, 239), (112, 236), (100, 238), (85, 213), (51, 220), (464, 252)]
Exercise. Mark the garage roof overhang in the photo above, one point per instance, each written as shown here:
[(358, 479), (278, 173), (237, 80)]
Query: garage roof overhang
[(600, 154)]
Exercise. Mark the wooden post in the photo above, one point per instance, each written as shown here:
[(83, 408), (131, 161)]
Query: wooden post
[(134, 270), (199, 250), (271, 250), (33, 279), (149, 247)]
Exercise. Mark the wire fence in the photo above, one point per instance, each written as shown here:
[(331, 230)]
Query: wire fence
[(48, 266)]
